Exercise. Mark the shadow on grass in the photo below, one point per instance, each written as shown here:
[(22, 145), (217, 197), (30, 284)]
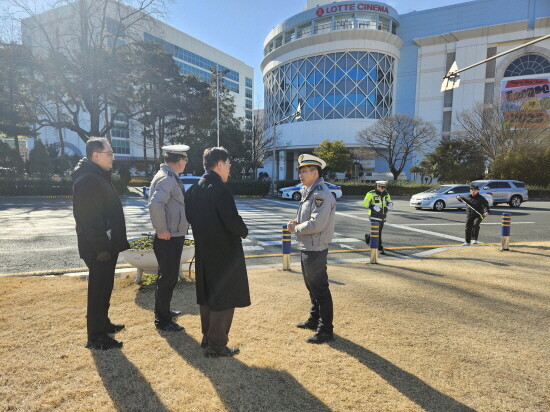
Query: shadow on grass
[(418, 391), (183, 299), (242, 387), (127, 387)]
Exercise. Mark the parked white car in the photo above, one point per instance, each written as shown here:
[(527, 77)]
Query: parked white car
[(293, 192), (444, 197), (187, 181)]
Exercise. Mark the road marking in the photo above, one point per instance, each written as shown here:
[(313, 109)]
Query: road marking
[(462, 224), (460, 239), (249, 248)]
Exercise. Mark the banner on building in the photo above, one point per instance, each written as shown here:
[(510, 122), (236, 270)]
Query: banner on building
[(525, 103)]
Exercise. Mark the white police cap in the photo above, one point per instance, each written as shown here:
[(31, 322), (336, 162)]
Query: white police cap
[(310, 160), (180, 149), (381, 183)]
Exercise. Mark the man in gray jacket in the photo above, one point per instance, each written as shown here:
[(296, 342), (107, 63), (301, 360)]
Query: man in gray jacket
[(314, 228), (167, 210)]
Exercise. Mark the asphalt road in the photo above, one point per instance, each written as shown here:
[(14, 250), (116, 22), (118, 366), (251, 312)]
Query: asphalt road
[(37, 233)]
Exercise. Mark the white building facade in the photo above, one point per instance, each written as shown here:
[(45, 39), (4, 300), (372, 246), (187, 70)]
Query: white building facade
[(190, 54), (351, 63)]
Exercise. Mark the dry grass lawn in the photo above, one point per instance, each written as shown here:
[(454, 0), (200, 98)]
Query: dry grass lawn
[(463, 330)]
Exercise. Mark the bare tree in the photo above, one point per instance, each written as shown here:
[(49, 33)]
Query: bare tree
[(396, 138), (260, 145), (494, 134), (81, 48)]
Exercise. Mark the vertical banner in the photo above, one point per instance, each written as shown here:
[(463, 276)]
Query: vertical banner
[(525, 103)]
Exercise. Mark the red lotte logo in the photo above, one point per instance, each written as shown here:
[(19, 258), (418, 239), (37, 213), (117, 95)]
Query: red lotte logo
[(351, 7)]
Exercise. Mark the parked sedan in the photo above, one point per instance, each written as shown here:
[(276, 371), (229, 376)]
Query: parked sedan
[(187, 181), (444, 197), (293, 192)]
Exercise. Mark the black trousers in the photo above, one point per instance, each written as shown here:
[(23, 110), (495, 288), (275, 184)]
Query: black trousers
[(314, 269), (100, 286), (215, 326), (168, 253), (472, 227)]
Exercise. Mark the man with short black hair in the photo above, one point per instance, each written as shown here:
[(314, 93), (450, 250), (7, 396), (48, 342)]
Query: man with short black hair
[(101, 233), (478, 208), (167, 211), (222, 281), (314, 228)]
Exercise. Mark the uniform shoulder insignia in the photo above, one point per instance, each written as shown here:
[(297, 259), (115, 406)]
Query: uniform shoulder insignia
[(319, 202), (319, 187)]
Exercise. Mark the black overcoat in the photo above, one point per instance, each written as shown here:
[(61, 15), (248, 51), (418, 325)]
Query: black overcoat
[(221, 278), (97, 210)]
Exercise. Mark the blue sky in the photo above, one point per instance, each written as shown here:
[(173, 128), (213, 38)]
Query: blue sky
[(239, 27)]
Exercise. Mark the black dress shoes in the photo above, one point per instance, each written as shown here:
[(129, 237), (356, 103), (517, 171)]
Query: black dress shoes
[(175, 313), (310, 324), (104, 343), (204, 342), (170, 327), (225, 352), (321, 337), (381, 251), (113, 328)]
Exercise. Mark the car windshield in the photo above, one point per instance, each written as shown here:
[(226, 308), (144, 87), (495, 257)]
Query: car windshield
[(438, 189)]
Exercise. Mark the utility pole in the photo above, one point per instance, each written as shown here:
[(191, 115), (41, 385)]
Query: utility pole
[(218, 76)]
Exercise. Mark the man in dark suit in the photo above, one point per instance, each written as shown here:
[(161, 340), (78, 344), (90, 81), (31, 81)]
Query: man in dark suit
[(221, 278), (101, 233)]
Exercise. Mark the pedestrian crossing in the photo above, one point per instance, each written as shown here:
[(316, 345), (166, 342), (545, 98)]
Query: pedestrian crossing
[(265, 232)]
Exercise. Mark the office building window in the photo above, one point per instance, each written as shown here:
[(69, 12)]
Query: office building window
[(248, 93), (120, 146), (248, 104), (248, 114), (491, 64), (119, 132), (248, 82), (447, 117), (191, 57), (489, 93)]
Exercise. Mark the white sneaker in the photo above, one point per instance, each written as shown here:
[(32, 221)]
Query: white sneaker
[(475, 242), (465, 244)]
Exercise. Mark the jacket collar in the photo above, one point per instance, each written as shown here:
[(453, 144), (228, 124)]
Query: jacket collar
[(210, 174), (306, 190)]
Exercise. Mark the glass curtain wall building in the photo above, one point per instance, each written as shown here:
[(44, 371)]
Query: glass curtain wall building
[(350, 63), (190, 54)]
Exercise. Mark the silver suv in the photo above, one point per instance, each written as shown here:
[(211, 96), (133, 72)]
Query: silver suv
[(512, 192)]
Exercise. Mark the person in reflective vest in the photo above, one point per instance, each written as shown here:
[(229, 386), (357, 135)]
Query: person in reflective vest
[(378, 202)]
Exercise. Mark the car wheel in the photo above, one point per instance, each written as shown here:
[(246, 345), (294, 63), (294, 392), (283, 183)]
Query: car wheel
[(439, 205), (515, 201), (297, 196), (334, 194)]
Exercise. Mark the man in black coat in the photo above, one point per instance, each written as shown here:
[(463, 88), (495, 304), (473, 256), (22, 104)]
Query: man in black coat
[(221, 278), (101, 233), (477, 210)]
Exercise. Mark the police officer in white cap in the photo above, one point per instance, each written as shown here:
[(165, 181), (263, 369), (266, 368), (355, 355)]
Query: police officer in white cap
[(314, 228), (167, 210), (378, 202)]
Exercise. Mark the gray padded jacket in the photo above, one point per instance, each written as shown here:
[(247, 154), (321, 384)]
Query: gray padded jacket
[(315, 217), (166, 203)]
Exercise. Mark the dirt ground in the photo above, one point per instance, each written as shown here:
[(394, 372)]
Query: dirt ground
[(462, 330)]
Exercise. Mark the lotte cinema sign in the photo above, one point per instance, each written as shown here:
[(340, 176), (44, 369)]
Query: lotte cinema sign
[(321, 11)]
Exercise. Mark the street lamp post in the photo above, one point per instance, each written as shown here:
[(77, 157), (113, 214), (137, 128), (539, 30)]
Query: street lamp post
[(218, 76), (296, 115)]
